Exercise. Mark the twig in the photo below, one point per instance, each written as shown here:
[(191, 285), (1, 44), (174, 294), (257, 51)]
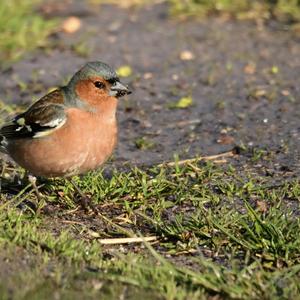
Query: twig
[(191, 160), (71, 211), (123, 230), (220, 161), (127, 240)]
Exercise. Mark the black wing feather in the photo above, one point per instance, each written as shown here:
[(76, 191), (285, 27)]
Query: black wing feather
[(34, 121)]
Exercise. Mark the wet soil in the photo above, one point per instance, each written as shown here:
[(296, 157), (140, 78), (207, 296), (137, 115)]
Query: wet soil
[(243, 80)]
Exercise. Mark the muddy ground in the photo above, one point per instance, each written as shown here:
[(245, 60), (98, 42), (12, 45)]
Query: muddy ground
[(244, 80)]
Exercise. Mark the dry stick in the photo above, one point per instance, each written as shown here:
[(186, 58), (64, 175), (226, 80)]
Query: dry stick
[(127, 240), (41, 201), (71, 211), (211, 157), (123, 230), (220, 161)]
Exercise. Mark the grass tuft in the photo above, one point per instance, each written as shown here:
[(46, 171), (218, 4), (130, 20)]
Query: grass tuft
[(22, 29), (219, 233), (284, 10)]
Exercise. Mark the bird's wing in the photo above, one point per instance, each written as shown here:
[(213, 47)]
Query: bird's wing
[(41, 119)]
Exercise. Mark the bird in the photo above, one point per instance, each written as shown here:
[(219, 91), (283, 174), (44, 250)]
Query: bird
[(71, 130)]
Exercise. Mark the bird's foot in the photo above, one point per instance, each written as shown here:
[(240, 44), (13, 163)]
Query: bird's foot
[(40, 199), (84, 200)]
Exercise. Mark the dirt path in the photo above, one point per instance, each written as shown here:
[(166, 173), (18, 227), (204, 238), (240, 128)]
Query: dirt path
[(244, 81)]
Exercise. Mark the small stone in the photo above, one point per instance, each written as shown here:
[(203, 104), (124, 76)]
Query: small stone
[(285, 93), (175, 77), (114, 26), (112, 39), (148, 75), (187, 55)]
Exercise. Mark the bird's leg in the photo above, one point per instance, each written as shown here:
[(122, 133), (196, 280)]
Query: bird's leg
[(85, 201), (32, 180)]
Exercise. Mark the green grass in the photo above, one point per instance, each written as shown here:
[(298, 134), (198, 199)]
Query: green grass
[(22, 29), (285, 10), (235, 236)]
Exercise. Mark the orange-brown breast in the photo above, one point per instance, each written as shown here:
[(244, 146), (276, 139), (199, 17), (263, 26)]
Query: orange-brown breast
[(82, 144)]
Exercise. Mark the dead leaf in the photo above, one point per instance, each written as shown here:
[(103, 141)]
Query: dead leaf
[(71, 25), (225, 139), (124, 71), (250, 69), (183, 102), (274, 70), (260, 93), (61, 193), (261, 206)]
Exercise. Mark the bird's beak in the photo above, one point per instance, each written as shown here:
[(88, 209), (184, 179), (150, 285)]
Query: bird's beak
[(119, 90)]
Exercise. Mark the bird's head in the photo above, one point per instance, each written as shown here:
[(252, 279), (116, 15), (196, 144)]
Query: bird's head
[(97, 81)]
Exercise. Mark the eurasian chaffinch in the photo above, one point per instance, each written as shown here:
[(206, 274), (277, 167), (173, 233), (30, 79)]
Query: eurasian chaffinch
[(71, 130)]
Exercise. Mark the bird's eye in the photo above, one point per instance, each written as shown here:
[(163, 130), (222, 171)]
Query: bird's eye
[(99, 85)]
